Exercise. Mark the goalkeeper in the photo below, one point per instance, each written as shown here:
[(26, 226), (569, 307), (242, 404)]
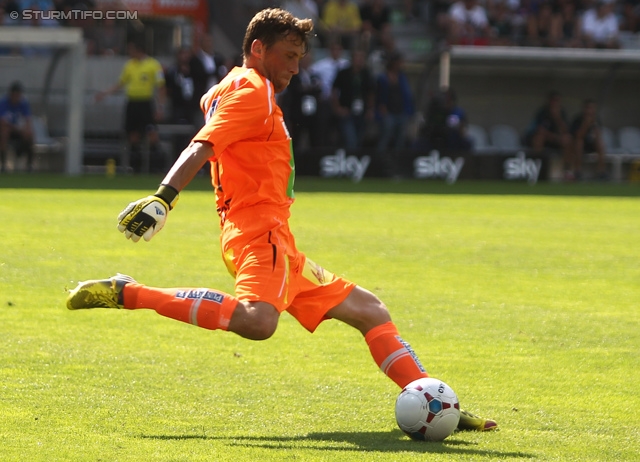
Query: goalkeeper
[(249, 148)]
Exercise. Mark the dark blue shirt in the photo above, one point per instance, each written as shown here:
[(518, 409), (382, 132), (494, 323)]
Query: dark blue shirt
[(15, 114)]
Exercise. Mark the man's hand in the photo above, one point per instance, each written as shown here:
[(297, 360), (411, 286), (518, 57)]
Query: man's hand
[(146, 217)]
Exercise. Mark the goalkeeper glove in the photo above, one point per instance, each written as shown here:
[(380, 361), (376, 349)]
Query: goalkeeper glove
[(146, 216)]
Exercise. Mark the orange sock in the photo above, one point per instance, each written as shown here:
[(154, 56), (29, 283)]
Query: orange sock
[(393, 355), (201, 307)]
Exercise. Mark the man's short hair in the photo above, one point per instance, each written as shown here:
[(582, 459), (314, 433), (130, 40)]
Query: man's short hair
[(274, 24), (16, 87)]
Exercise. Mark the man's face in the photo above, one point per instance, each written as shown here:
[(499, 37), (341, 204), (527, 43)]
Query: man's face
[(280, 61), (14, 97)]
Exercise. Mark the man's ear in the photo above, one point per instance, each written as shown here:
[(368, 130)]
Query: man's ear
[(257, 48)]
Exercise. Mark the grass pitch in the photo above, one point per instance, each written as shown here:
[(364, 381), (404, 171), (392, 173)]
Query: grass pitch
[(524, 299)]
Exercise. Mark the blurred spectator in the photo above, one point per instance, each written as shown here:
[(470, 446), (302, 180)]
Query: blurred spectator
[(142, 76), (446, 123), (439, 18), (306, 9), (110, 38), (630, 16), (212, 64), (550, 129), (15, 125), (375, 15), (501, 22), (540, 27), (353, 100), (468, 23), (586, 129), (326, 70), (567, 25), (299, 103), (600, 26), (394, 109), (378, 58), (303, 9), (342, 20), (180, 82)]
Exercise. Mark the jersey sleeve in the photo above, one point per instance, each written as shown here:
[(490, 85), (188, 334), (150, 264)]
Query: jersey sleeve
[(234, 116)]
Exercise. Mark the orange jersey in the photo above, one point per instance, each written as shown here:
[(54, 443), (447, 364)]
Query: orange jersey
[(253, 161)]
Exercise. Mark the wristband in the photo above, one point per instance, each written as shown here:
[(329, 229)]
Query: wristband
[(168, 193)]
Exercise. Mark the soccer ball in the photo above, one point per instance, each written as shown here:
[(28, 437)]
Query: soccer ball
[(427, 410)]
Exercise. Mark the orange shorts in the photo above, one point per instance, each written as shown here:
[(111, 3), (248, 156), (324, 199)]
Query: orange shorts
[(260, 252)]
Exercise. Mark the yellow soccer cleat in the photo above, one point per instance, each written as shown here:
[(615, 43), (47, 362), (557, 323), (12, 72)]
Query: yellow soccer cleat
[(471, 422), (98, 293)]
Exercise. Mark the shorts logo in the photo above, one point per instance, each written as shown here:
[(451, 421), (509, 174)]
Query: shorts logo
[(200, 294)]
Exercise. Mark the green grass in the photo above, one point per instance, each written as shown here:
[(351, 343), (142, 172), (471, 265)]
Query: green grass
[(524, 299)]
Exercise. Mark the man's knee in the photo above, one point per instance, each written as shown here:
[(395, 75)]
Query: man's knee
[(254, 321), (362, 310)]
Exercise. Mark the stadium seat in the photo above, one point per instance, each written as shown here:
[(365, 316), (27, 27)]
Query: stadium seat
[(505, 137), (629, 138), (45, 148), (478, 137)]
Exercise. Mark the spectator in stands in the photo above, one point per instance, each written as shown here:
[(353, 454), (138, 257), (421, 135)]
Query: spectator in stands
[(468, 23), (307, 9), (180, 82), (206, 60), (630, 16), (446, 123), (110, 38), (550, 129), (353, 100), (586, 129), (376, 17), (501, 22), (394, 109), (325, 70), (540, 27), (299, 103), (342, 20), (600, 26), (15, 125), (378, 58), (143, 80), (567, 25)]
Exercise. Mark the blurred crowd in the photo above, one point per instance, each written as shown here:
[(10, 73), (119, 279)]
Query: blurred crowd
[(543, 23), (366, 23), (352, 90)]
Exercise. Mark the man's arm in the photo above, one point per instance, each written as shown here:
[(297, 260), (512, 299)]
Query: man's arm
[(188, 165), (147, 216), (109, 91)]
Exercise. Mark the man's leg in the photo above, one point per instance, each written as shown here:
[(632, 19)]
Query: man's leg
[(364, 311), (395, 357), (202, 307)]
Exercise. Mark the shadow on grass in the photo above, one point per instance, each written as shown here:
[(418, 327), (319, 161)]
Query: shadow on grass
[(393, 441), (314, 184)]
